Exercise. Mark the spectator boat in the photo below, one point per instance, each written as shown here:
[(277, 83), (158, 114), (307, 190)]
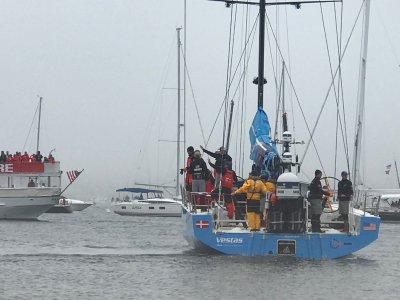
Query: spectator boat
[(145, 202), (66, 205), (17, 200)]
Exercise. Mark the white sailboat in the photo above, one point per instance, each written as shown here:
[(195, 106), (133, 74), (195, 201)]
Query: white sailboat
[(145, 202), (288, 232), (150, 201)]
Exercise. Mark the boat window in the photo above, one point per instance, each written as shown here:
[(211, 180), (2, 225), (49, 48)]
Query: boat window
[(162, 207), (151, 207), (123, 207)]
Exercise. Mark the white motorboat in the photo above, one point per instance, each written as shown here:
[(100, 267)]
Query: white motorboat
[(146, 202), (78, 205), (66, 205), (17, 201)]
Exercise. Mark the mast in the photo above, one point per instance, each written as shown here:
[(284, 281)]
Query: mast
[(397, 173), (261, 55), (184, 81), (178, 141), (38, 133), (361, 104)]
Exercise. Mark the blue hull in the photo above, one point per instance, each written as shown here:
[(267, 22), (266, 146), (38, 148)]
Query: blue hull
[(200, 233)]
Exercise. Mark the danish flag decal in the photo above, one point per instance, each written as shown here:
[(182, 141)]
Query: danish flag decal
[(202, 224)]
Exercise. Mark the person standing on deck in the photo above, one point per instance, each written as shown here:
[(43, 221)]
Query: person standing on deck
[(254, 188), (345, 191), (188, 176), (222, 160), (315, 199), (198, 169)]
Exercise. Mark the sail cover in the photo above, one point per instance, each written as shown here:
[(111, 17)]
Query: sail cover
[(263, 151)]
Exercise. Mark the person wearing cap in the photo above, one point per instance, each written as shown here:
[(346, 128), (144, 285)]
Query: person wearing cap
[(222, 161), (345, 191), (254, 188), (315, 198)]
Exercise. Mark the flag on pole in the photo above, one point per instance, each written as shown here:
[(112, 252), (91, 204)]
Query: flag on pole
[(388, 169), (72, 175)]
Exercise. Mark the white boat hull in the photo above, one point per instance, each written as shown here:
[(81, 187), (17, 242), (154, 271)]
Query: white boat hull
[(26, 204), (79, 206), (145, 209)]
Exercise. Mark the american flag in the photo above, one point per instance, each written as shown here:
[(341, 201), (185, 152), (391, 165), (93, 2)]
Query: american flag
[(72, 175), (202, 224), (388, 169), (369, 226)]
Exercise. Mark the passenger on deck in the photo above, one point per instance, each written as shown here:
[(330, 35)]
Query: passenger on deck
[(51, 158), (188, 176), (315, 199), (3, 157), (32, 158), (31, 183), (39, 156), (228, 181), (345, 191), (198, 169), (222, 161), (254, 188), (25, 157)]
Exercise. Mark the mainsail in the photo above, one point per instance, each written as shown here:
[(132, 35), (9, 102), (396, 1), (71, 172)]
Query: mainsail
[(263, 150)]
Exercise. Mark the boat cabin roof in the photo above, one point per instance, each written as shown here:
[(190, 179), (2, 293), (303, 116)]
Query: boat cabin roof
[(139, 190)]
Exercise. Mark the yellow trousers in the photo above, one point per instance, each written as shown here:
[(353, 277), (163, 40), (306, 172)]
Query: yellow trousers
[(254, 220)]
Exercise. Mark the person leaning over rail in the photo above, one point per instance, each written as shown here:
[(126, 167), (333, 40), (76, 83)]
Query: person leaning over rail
[(254, 188), (345, 191), (315, 199)]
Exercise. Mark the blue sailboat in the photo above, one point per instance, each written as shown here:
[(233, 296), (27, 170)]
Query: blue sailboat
[(289, 232)]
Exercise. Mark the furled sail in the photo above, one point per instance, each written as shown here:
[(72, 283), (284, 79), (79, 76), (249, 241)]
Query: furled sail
[(263, 151)]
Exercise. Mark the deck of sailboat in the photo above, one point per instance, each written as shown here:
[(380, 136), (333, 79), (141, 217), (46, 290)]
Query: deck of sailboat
[(235, 226)]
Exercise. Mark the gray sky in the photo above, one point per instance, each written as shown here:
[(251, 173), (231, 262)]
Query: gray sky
[(106, 68)]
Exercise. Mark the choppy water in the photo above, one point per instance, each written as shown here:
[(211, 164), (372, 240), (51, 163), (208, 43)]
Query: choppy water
[(95, 254)]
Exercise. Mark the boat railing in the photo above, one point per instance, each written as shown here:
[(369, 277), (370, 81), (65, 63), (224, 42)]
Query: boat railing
[(197, 201), (226, 209)]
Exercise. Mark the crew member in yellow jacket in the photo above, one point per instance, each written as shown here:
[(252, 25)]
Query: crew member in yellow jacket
[(254, 188)]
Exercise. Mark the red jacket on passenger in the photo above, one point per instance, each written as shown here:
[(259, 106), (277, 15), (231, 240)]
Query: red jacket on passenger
[(188, 176)]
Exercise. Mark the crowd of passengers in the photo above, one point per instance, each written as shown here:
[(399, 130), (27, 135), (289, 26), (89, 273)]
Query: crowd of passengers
[(395, 204), (258, 191), (6, 157)]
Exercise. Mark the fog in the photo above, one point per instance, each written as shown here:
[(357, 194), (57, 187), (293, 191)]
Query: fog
[(107, 72)]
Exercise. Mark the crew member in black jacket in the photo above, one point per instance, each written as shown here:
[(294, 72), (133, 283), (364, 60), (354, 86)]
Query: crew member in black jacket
[(198, 169), (222, 161), (315, 199), (345, 191)]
